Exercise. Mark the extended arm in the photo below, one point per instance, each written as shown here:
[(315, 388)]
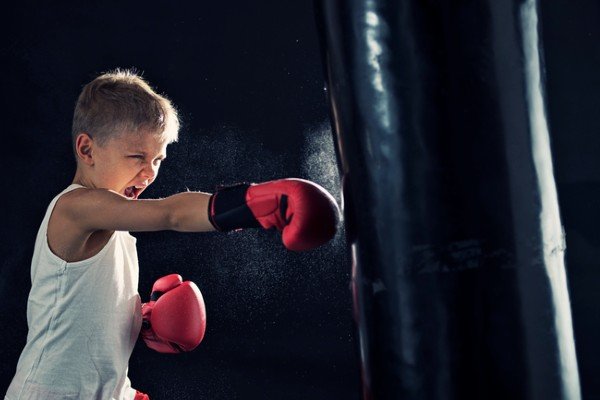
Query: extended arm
[(101, 209), (305, 213)]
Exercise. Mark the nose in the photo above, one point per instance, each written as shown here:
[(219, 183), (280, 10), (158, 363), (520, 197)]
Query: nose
[(149, 173)]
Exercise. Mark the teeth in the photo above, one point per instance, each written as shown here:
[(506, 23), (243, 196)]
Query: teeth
[(131, 191)]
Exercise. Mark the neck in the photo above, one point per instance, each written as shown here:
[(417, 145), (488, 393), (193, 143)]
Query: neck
[(81, 179)]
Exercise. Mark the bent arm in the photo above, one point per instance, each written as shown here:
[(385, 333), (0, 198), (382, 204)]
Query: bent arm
[(102, 209)]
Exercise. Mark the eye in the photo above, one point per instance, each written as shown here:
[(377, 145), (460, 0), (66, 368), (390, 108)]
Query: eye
[(137, 156)]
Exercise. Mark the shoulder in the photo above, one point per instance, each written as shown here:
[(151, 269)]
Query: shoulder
[(67, 237), (73, 199), (67, 200)]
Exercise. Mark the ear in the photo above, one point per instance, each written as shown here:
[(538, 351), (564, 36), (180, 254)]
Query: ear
[(84, 146)]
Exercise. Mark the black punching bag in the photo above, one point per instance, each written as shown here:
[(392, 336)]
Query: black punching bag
[(449, 199)]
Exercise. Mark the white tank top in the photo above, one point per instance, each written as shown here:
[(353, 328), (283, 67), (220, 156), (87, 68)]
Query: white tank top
[(84, 318)]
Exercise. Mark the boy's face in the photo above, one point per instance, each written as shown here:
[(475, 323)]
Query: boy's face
[(129, 163)]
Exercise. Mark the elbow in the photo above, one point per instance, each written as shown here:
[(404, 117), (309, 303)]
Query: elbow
[(173, 220), (184, 213), (180, 220)]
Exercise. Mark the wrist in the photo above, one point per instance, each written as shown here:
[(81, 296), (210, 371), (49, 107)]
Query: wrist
[(228, 210)]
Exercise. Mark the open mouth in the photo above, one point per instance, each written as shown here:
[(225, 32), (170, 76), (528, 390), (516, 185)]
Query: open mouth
[(133, 192)]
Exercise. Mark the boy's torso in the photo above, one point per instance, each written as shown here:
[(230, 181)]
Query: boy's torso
[(84, 317)]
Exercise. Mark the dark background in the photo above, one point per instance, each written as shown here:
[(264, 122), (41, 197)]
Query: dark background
[(247, 79)]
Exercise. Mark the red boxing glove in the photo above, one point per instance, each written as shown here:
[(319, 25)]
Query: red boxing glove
[(174, 320), (305, 213)]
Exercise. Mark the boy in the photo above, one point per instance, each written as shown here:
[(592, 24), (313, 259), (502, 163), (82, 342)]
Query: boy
[(84, 312)]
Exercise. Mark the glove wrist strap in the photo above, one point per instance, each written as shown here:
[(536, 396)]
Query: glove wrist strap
[(227, 209)]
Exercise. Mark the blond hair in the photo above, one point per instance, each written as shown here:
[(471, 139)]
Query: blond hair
[(122, 101)]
